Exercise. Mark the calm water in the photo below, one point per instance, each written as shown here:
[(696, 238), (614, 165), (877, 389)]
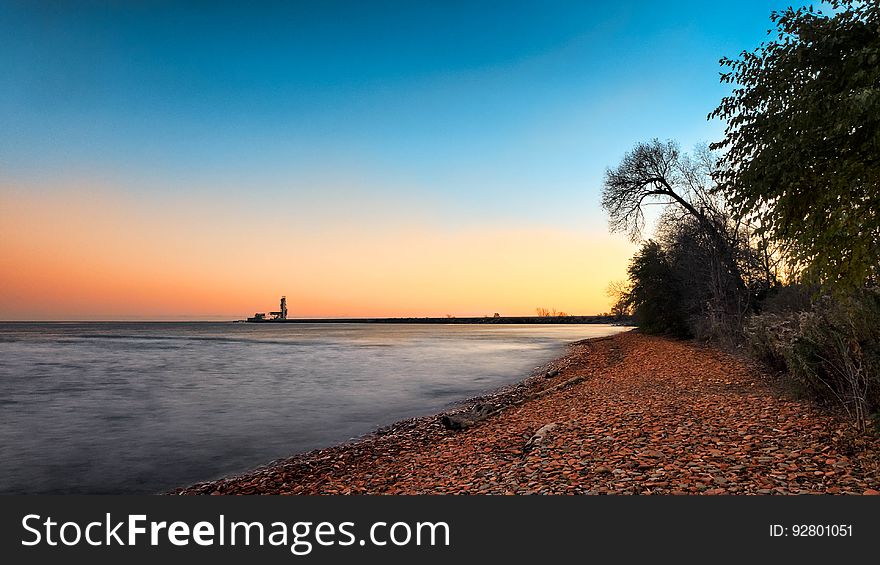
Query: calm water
[(145, 407)]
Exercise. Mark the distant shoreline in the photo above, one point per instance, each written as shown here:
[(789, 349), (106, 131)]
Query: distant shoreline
[(411, 320), (451, 320)]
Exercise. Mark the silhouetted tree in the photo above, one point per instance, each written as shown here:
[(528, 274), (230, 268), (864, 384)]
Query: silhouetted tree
[(619, 291), (658, 172), (655, 293)]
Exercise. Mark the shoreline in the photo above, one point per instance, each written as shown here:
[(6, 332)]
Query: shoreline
[(503, 397), (618, 415), (610, 320)]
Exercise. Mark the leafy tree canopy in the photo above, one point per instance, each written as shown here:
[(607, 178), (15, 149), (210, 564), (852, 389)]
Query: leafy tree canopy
[(655, 293), (801, 154)]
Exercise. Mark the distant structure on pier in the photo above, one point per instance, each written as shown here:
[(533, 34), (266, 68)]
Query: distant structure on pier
[(281, 314)]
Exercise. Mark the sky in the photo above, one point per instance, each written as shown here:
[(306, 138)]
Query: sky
[(187, 161)]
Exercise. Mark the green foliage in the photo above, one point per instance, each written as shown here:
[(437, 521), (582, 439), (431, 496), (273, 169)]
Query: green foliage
[(795, 194), (831, 350), (802, 144)]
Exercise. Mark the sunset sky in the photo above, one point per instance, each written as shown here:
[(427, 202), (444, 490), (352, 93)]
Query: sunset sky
[(196, 161)]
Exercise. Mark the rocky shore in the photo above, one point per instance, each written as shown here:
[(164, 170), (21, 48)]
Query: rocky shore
[(629, 414)]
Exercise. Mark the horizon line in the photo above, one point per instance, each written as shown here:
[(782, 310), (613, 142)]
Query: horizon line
[(206, 320)]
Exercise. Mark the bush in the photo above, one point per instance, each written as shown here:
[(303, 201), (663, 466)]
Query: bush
[(789, 298), (832, 350), (769, 337), (716, 324)]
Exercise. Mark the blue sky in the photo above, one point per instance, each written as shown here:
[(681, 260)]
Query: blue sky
[(340, 117), (476, 102)]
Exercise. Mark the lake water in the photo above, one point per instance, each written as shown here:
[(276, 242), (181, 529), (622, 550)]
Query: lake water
[(146, 407)]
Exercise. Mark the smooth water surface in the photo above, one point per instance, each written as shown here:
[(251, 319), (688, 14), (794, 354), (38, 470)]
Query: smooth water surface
[(146, 407)]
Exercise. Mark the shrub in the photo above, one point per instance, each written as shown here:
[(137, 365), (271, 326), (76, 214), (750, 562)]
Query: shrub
[(769, 337), (832, 350), (788, 298)]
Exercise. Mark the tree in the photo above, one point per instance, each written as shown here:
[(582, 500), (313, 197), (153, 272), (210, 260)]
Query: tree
[(656, 171), (801, 153), (660, 173), (655, 294), (619, 292)]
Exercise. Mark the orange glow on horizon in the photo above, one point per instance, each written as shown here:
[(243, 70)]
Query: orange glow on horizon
[(91, 254)]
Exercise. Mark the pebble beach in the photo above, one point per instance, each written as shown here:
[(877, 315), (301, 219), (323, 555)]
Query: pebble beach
[(627, 414)]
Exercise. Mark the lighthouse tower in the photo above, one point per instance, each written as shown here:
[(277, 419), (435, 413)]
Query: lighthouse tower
[(283, 315)]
